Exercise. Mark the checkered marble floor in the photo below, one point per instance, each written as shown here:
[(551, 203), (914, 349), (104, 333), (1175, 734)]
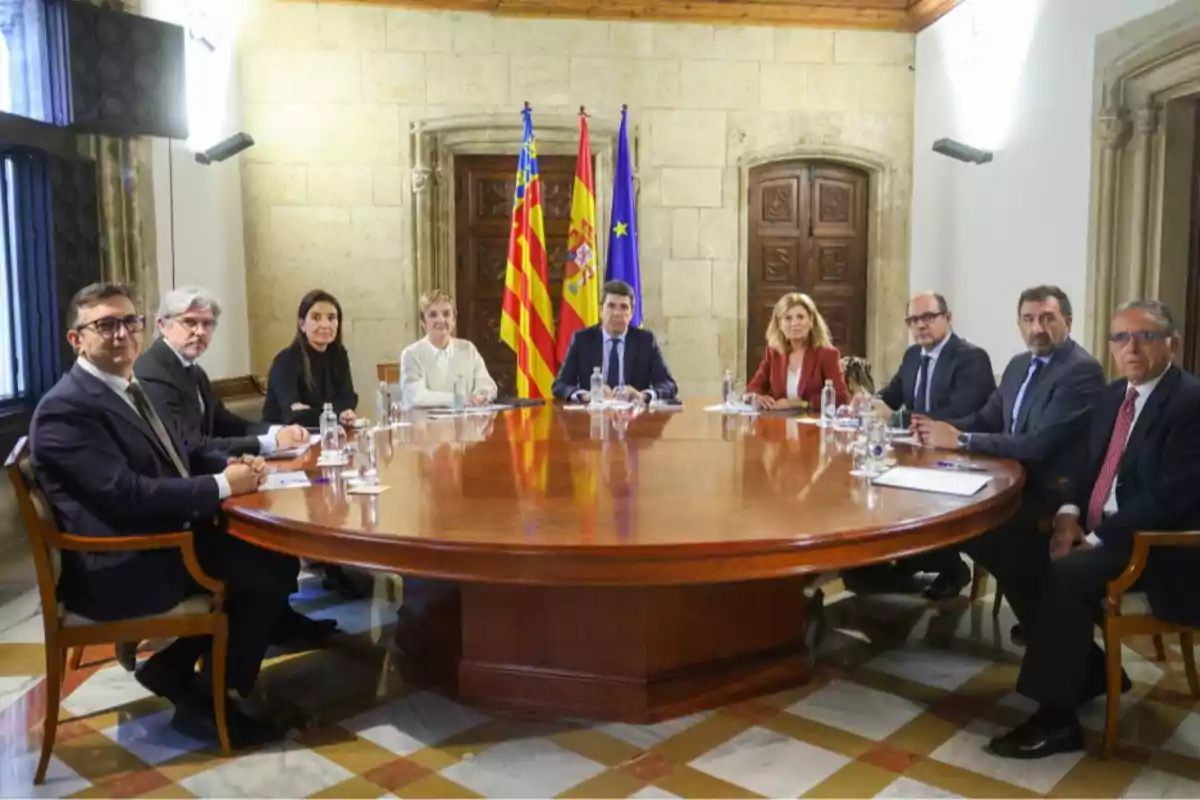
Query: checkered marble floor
[(903, 699)]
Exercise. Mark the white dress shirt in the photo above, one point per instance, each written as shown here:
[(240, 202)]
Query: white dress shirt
[(793, 383), (120, 387), (266, 442), (427, 372), (1110, 505)]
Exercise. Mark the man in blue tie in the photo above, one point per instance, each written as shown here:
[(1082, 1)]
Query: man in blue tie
[(1038, 415), (629, 357)]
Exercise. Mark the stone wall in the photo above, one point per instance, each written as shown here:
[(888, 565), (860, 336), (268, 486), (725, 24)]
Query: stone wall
[(331, 92)]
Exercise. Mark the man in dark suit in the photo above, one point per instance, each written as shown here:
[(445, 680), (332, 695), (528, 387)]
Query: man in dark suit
[(1039, 416), (942, 377), (168, 369), (111, 465), (1141, 472), (627, 357)]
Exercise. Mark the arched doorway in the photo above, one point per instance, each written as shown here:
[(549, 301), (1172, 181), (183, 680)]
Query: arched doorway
[(807, 232)]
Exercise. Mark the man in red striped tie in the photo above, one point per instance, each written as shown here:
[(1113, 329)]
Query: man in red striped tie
[(1142, 473)]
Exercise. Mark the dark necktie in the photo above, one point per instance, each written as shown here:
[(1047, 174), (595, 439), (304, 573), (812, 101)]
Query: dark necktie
[(1112, 459), (1026, 390), (190, 371), (147, 412), (613, 378), (919, 404)]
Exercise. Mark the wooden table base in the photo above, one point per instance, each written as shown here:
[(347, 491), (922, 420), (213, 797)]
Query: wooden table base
[(632, 654)]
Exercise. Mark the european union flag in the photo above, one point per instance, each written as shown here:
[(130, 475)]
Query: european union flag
[(622, 237)]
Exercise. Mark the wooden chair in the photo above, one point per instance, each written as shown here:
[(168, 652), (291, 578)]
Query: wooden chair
[(388, 372), (200, 615), (1128, 613)]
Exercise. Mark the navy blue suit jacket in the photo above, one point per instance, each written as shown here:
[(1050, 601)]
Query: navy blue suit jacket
[(106, 474), (644, 364), (1052, 422), (1157, 483), (962, 380)]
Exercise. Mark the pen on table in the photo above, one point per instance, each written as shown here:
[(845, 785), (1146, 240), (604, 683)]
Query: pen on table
[(960, 465)]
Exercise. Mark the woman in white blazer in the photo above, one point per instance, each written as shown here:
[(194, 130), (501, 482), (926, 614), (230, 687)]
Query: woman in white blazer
[(428, 368)]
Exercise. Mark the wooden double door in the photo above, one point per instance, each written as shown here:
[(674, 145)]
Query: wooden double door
[(808, 233), (483, 208)]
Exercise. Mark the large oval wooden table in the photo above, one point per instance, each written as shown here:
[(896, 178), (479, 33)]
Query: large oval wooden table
[(614, 566)]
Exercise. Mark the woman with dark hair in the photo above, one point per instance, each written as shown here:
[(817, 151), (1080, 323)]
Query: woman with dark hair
[(313, 370)]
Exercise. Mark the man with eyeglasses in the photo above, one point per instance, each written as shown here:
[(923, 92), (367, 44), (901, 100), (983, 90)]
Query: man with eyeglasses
[(168, 370), (186, 323), (1039, 416), (1140, 473), (112, 463), (942, 376)]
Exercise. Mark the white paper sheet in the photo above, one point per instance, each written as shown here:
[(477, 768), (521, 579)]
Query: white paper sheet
[(941, 481), (723, 408), (285, 480)]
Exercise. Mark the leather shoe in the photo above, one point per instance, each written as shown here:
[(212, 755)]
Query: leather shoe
[(127, 655), (1035, 739), (293, 629), (949, 583), (196, 720), (1096, 685)]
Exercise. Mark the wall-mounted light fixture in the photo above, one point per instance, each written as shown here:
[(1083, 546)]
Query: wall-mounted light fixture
[(962, 152), (225, 149)]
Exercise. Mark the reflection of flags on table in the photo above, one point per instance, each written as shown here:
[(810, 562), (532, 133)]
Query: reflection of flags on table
[(581, 290), (529, 445), (585, 482), (527, 318), (622, 236)]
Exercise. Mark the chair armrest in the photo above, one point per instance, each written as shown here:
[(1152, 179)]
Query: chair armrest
[(157, 541), (1142, 542)]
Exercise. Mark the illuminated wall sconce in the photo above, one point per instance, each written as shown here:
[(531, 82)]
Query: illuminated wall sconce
[(225, 149), (962, 152)]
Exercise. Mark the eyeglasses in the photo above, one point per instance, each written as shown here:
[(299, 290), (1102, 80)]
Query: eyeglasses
[(1145, 337), (926, 318), (193, 324), (107, 326)]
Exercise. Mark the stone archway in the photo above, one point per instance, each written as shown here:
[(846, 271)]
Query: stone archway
[(887, 244), (1147, 78)]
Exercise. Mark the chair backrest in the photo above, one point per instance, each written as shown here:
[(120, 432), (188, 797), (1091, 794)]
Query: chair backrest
[(388, 372), (40, 526), (857, 372)]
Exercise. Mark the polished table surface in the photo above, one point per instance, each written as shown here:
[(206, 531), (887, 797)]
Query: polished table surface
[(625, 566), (548, 495)]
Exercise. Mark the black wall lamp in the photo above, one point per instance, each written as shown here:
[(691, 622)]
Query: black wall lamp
[(225, 149), (962, 152)]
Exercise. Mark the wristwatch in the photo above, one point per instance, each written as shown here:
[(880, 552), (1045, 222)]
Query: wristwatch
[(964, 441)]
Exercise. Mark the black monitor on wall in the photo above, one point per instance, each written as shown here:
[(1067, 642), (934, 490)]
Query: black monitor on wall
[(123, 74)]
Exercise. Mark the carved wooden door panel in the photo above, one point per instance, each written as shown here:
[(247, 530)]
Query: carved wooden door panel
[(483, 207), (808, 233)]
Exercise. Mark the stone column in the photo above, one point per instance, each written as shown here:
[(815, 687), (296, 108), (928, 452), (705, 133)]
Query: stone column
[(422, 210), (1145, 128), (1110, 134)]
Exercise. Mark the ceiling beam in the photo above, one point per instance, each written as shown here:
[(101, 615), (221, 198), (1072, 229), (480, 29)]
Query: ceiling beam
[(896, 15)]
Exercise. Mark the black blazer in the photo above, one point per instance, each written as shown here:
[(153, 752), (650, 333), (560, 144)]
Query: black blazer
[(106, 474), (1157, 486), (962, 380), (1052, 423), (644, 364), (286, 386), (179, 389)]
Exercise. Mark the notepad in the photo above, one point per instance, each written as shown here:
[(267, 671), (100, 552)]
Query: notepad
[(285, 480), (365, 489), (724, 408), (940, 481)]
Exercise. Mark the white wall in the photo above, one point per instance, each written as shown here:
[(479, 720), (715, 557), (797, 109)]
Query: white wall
[(1013, 76), (203, 213)]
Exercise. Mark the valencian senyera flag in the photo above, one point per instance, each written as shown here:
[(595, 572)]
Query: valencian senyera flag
[(581, 289), (622, 236), (529, 432), (527, 318)]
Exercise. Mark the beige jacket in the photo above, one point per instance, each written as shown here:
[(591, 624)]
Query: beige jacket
[(427, 374)]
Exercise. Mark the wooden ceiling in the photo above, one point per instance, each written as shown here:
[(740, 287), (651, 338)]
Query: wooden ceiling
[(892, 15)]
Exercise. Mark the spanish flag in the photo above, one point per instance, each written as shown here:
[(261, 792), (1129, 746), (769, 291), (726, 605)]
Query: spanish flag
[(527, 318), (581, 289)]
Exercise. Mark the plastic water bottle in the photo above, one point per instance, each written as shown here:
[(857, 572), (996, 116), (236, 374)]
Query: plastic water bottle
[(383, 404), (331, 431), (828, 404), (727, 390), (370, 457), (597, 388), (458, 400)]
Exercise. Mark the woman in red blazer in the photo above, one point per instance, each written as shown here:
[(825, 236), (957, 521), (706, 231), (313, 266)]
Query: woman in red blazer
[(798, 360)]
